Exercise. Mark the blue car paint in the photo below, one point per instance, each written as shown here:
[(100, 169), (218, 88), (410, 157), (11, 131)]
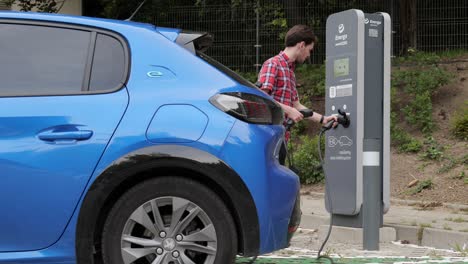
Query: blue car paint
[(247, 148), (275, 187), (42, 180), (177, 124)]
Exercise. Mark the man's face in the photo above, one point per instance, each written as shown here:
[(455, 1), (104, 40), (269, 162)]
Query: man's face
[(304, 52)]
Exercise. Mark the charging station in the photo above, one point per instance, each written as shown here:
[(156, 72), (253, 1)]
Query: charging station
[(357, 157)]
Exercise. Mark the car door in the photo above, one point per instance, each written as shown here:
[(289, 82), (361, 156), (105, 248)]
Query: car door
[(62, 96)]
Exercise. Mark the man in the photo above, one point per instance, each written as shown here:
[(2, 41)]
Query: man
[(277, 76)]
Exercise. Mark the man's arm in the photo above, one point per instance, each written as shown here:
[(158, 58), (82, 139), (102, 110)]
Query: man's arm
[(291, 112), (316, 116)]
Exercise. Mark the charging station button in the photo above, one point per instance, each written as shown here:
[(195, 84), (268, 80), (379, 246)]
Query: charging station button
[(332, 92)]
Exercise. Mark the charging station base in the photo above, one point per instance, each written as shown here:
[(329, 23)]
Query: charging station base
[(352, 235)]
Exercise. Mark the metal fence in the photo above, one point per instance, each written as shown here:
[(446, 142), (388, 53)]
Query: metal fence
[(442, 25), (242, 30)]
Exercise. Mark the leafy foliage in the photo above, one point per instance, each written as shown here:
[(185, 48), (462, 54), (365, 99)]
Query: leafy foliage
[(47, 6), (402, 139), (416, 57), (426, 184), (307, 161), (420, 58), (432, 149), (249, 76), (415, 88), (312, 78), (451, 163), (459, 126)]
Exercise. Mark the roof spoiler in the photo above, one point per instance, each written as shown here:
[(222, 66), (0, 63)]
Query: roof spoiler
[(195, 41)]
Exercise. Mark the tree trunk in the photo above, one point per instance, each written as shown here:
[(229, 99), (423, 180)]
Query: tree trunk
[(407, 25)]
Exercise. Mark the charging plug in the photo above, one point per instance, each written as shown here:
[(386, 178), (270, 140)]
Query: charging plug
[(343, 118)]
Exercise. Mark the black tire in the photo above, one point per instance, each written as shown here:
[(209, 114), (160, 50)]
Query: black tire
[(136, 202)]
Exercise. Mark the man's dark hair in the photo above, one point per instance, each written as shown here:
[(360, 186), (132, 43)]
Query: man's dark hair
[(300, 33)]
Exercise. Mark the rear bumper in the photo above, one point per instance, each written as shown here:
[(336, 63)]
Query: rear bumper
[(295, 219)]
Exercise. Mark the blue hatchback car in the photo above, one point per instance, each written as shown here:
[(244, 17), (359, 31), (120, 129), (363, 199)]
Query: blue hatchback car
[(123, 142)]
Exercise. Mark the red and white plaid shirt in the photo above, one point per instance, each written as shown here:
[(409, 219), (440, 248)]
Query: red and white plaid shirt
[(278, 79)]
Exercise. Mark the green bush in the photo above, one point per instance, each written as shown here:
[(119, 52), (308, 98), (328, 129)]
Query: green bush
[(405, 142), (418, 58), (299, 129), (432, 149), (459, 127), (426, 184), (249, 76), (414, 89), (419, 112), (312, 78), (307, 161), (401, 139)]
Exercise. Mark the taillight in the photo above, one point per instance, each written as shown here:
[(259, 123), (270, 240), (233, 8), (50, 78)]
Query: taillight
[(249, 108)]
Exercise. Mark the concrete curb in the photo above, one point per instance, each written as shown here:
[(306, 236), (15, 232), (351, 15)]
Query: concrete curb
[(444, 238), (350, 235), (429, 237), (404, 202)]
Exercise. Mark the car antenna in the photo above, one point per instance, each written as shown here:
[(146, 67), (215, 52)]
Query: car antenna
[(136, 11)]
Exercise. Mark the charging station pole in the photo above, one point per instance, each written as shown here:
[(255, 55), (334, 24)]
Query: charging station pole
[(375, 131), (357, 157)]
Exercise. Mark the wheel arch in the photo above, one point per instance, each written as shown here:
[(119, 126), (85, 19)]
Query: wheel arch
[(164, 160)]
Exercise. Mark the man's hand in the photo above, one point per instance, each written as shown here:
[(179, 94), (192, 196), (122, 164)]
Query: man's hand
[(294, 114), (327, 119)]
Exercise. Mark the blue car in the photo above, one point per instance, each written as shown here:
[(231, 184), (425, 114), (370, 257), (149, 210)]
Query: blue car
[(123, 143)]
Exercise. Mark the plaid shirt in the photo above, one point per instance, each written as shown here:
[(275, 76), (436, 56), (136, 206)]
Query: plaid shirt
[(278, 79)]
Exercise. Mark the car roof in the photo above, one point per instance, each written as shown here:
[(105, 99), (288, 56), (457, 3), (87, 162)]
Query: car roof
[(112, 24)]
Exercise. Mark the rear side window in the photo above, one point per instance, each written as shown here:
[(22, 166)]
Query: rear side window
[(233, 75), (39, 60), (108, 70)]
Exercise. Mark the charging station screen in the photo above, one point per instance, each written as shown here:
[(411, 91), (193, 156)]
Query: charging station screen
[(341, 67)]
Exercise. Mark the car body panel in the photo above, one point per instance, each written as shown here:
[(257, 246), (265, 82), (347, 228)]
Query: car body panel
[(177, 123), (42, 180), (162, 74)]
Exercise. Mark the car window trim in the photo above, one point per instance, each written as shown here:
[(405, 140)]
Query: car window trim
[(84, 90), (89, 63)]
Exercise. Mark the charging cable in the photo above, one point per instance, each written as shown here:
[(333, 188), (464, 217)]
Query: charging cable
[(252, 260), (327, 191), (344, 121)]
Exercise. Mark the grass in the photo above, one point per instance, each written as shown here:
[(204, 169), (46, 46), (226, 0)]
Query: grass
[(459, 126), (457, 220), (426, 184), (452, 163), (428, 58), (462, 249)]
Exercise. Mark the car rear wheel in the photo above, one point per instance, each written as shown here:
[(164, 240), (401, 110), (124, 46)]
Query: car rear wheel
[(169, 220)]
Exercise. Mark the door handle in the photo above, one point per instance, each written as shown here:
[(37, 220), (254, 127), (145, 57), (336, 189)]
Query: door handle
[(65, 135)]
